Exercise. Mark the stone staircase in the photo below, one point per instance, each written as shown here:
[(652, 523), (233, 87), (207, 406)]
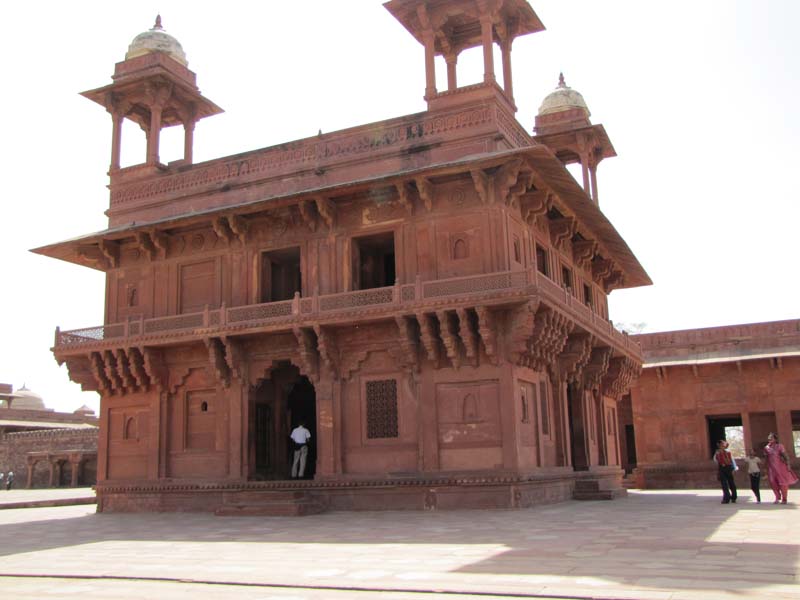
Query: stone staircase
[(591, 489), (629, 482), (269, 503)]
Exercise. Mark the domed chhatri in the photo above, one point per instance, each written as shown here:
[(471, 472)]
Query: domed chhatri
[(563, 98), (156, 40)]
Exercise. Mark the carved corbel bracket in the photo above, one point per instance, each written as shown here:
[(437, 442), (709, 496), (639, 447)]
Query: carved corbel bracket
[(467, 332), (482, 185), (408, 339), (583, 252), (223, 229), (575, 356), (429, 337), (124, 370), (519, 329), (505, 178), (534, 205), (216, 357), (550, 333), (622, 372), (308, 214), (110, 250), (81, 371), (234, 358), (327, 210), (425, 191), (613, 281), (562, 230), (146, 244), (404, 197), (93, 255), (306, 347), (136, 363), (601, 268), (596, 368), (447, 331), (487, 327), (158, 93), (110, 364), (328, 352), (98, 369), (153, 363), (239, 226)]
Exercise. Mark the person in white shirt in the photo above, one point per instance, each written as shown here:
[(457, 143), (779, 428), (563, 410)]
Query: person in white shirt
[(754, 470), (300, 436)]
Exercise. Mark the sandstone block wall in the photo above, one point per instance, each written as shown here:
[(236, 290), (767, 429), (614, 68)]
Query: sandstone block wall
[(14, 448)]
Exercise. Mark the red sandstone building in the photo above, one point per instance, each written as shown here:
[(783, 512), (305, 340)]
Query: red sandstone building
[(698, 382), (427, 293)]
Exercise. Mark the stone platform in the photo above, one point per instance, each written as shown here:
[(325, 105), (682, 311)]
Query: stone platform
[(670, 545)]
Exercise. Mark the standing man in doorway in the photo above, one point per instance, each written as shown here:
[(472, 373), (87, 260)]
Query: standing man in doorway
[(300, 436)]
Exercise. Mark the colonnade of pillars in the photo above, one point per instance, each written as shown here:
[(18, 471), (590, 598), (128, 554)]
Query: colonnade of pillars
[(56, 464)]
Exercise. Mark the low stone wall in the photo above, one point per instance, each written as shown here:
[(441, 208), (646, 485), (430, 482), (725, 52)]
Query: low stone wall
[(15, 447), (693, 476)]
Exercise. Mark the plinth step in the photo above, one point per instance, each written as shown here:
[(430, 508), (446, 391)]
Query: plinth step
[(289, 503)]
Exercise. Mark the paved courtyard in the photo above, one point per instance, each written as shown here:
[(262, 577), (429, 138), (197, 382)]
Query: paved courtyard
[(667, 544)]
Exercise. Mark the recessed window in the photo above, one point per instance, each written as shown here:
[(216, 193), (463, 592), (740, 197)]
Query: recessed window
[(542, 263), (280, 274), (524, 398), (460, 249), (587, 295), (566, 278), (373, 261), (204, 407), (517, 250)]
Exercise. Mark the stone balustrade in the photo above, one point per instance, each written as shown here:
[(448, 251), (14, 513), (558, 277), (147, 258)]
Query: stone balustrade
[(498, 288)]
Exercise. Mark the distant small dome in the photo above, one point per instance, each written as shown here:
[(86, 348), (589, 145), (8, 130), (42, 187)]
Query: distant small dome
[(84, 410), (156, 40), (562, 99), (25, 399)]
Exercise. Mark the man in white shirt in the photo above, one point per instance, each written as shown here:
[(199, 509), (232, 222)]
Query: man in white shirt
[(754, 470), (300, 436)]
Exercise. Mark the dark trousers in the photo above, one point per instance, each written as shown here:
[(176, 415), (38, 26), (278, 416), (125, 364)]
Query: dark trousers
[(728, 484), (755, 482)]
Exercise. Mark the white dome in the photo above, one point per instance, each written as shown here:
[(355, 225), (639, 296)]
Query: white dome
[(25, 399), (562, 99), (156, 40)]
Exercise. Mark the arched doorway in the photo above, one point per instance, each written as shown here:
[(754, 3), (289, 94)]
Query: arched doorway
[(279, 404)]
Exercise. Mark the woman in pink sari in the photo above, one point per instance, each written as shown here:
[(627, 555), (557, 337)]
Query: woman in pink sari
[(780, 476)]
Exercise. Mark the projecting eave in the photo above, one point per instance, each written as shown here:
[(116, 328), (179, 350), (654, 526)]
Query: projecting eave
[(724, 357), (96, 249)]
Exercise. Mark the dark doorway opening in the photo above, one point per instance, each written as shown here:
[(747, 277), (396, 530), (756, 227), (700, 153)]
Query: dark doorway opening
[(577, 428), (280, 403), (374, 261), (717, 426), (630, 448), (280, 274)]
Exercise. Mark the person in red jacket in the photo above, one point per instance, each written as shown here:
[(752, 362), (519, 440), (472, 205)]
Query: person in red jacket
[(726, 466)]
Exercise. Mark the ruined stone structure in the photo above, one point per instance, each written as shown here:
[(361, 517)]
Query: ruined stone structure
[(697, 382), (427, 293)]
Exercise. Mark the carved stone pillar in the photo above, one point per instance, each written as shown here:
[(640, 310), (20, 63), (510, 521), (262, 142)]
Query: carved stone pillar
[(505, 49), (430, 64), (593, 171), (452, 76), (116, 139), (188, 141), (154, 135), (488, 48), (326, 389), (75, 466), (31, 465)]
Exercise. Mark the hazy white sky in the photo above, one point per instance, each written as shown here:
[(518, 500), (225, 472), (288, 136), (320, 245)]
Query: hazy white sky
[(699, 98)]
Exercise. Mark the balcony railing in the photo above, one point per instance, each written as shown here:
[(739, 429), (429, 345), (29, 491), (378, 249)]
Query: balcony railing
[(421, 295)]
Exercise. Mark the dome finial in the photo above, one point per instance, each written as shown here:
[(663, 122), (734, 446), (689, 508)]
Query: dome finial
[(561, 82), (158, 23)]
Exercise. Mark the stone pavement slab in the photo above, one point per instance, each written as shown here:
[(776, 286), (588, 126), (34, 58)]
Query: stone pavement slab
[(667, 545), (24, 498)]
